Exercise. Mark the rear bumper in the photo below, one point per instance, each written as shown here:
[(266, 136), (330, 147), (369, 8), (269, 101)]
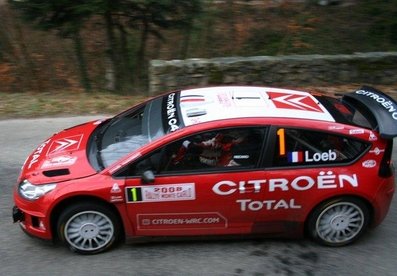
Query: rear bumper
[(382, 200)]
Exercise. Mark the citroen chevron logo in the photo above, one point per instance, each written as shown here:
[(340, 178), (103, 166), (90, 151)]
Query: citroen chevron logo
[(294, 101), (63, 144), (68, 143)]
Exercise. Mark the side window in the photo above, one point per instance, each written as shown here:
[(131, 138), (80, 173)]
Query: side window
[(297, 147), (225, 148), (217, 149)]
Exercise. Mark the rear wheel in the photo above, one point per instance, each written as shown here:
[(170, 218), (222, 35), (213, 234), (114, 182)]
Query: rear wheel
[(339, 221), (88, 228)]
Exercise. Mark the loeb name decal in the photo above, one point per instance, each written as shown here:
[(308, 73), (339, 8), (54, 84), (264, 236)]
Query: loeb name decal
[(158, 193), (300, 156)]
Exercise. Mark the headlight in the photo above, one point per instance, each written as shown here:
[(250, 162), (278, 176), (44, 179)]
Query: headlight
[(32, 192)]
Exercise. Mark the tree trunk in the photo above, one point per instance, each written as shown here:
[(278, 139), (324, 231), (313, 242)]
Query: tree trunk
[(187, 31), (79, 51), (26, 64), (112, 73), (125, 62), (231, 26), (140, 65)]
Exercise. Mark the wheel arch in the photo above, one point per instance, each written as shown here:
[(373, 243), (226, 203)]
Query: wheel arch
[(58, 209)]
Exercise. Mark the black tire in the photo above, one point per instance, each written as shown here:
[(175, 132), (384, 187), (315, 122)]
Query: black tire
[(339, 221), (88, 228)]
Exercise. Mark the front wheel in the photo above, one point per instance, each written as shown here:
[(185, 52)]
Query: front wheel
[(88, 228), (339, 221)]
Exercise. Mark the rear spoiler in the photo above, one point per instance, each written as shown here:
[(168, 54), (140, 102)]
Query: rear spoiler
[(382, 106)]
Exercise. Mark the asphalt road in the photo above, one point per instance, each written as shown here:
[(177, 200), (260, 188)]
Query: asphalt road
[(375, 254)]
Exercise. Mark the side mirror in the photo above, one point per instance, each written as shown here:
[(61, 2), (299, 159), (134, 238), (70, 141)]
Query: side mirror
[(148, 177)]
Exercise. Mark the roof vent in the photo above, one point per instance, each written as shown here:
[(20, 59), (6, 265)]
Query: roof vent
[(196, 112), (246, 99)]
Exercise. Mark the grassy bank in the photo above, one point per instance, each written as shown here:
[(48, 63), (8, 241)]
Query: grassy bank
[(57, 104), (28, 105)]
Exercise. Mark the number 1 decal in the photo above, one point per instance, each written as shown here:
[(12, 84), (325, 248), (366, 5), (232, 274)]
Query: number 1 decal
[(134, 194), (281, 141)]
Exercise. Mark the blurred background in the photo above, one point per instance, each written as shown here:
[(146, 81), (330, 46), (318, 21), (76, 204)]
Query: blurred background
[(76, 46), (70, 57)]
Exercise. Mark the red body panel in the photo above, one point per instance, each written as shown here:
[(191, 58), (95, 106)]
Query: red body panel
[(265, 200), (66, 149), (252, 202)]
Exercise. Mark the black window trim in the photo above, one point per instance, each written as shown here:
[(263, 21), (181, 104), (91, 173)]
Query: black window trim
[(217, 170), (272, 134)]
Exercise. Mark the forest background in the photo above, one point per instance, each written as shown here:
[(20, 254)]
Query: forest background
[(88, 56)]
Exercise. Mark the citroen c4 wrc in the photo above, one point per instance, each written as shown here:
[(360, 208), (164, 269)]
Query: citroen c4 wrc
[(230, 161)]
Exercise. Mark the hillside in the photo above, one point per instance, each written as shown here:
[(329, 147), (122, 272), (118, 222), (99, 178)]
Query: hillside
[(36, 60)]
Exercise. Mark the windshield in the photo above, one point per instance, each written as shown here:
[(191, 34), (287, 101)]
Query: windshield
[(127, 132)]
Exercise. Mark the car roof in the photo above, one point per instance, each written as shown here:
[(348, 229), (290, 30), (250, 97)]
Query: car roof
[(228, 102)]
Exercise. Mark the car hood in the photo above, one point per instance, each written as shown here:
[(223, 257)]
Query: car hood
[(61, 157)]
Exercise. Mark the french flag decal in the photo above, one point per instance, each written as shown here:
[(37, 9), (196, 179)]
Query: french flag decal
[(295, 156)]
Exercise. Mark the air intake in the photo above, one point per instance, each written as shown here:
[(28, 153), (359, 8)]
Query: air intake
[(53, 173)]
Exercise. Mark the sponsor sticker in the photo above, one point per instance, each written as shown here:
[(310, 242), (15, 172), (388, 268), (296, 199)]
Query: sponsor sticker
[(377, 151), (171, 118), (181, 221), (224, 100), (270, 204), (37, 153), (192, 99), (372, 136), (160, 193), (369, 163), (336, 127), (59, 161), (356, 131), (115, 189), (324, 180), (116, 198)]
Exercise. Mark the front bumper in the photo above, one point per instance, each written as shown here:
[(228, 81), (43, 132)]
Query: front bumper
[(17, 215), (32, 225)]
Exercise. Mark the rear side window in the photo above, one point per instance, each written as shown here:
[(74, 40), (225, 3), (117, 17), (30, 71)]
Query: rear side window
[(297, 147), (346, 113)]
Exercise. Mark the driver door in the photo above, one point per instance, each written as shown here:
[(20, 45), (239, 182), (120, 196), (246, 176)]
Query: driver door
[(194, 191)]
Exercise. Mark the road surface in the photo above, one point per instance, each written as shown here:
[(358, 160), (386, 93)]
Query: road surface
[(375, 254)]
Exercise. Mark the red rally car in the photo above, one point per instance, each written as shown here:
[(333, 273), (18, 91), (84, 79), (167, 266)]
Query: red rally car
[(215, 161)]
